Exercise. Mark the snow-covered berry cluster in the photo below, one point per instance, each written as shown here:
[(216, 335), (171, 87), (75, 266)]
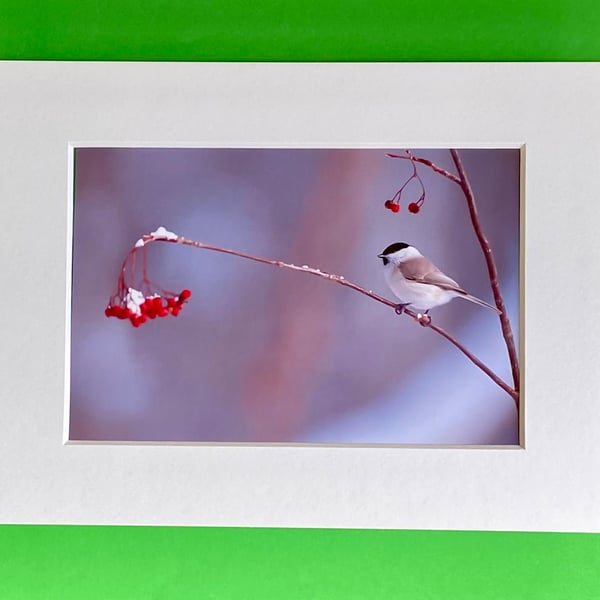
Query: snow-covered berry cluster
[(137, 298), (139, 308)]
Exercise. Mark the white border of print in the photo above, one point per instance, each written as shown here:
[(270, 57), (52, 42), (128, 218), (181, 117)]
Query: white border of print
[(551, 484)]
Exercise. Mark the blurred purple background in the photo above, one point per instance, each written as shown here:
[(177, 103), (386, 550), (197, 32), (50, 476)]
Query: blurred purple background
[(262, 354)]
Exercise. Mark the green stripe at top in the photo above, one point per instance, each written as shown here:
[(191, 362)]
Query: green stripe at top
[(300, 30)]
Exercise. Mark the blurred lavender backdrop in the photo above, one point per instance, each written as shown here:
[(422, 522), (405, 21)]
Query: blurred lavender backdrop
[(261, 354)]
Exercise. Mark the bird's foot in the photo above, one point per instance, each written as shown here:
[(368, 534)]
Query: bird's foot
[(424, 319), (400, 308)]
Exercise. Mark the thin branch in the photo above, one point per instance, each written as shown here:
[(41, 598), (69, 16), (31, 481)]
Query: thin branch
[(463, 181), (424, 161), (507, 333), (513, 393), (349, 284)]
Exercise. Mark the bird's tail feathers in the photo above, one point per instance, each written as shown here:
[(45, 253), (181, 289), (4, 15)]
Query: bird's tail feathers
[(476, 300)]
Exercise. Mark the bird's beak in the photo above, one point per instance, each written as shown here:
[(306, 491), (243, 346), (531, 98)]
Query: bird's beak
[(381, 256)]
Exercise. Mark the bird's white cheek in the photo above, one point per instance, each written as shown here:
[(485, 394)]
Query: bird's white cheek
[(392, 277)]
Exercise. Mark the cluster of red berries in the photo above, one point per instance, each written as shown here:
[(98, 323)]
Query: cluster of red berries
[(393, 206), (150, 308), (394, 203), (413, 207)]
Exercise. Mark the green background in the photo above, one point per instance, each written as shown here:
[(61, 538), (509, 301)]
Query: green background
[(66, 562), (121, 563), (300, 30)]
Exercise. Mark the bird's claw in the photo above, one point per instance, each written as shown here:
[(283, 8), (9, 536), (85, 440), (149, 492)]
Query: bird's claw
[(424, 320), (400, 308)]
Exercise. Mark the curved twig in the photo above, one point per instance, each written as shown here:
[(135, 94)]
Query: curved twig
[(425, 161), (339, 279)]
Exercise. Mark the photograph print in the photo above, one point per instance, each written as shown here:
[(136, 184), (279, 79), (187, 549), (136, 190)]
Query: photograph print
[(295, 296)]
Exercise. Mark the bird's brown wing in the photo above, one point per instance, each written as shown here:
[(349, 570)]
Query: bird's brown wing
[(423, 270)]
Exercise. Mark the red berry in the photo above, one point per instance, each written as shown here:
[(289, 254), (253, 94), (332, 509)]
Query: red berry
[(395, 208), (414, 208), (148, 308), (109, 311), (388, 204), (185, 295), (175, 310), (123, 313), (163, 312), (137, 320)]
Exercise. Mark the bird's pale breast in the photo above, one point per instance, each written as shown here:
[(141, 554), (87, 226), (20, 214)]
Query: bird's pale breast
[(421, 296)]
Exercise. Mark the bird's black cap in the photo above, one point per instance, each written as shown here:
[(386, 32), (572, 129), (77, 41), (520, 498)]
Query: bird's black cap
[(394, 248)]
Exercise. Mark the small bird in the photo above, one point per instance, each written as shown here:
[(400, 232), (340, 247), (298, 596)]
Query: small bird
[(417, 282)]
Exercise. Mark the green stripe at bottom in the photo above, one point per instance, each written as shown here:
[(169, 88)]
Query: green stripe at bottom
[(64, 562)]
